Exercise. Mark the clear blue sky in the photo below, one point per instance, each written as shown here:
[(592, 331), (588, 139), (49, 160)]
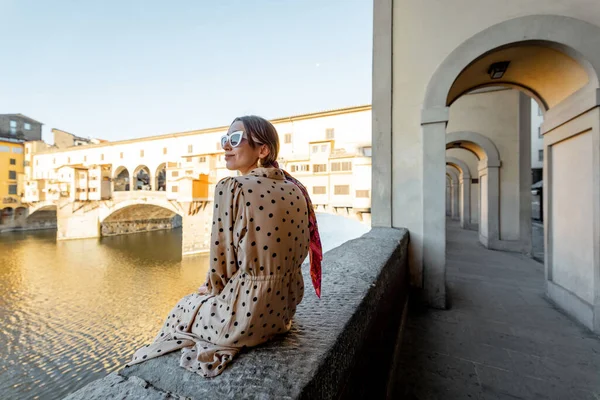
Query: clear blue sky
[(117, 69)]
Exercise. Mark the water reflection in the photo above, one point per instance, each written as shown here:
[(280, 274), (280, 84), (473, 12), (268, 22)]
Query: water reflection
[(71, 311)]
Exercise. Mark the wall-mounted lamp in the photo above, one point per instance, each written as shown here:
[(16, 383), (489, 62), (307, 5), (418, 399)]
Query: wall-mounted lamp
[(498, 69)]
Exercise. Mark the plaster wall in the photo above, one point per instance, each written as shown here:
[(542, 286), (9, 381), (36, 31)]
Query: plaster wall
[(573, 255)]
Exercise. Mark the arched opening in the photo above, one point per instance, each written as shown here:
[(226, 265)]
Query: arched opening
[(121, 181), (43, 217), (142, 179), (7, 215), (139, 218), (464, 191), (556, 68), (20, 212), (452, 193), (161, 178)]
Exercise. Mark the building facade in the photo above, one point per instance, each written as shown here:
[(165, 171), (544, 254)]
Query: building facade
[(11, 180), (19, 126), (329, 152)]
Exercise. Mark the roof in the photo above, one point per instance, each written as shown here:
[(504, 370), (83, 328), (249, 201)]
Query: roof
[(22, 116), (320, 114)]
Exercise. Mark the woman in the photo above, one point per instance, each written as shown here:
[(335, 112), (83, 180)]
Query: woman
[(263, 228)]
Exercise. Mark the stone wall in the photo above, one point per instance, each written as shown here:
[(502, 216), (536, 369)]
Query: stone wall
[(114, 228), (340, 346)]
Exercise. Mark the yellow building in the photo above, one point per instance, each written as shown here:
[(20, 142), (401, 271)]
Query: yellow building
[(11, 180)]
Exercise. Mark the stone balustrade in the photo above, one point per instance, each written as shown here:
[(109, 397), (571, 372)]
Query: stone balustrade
[(340, 346)]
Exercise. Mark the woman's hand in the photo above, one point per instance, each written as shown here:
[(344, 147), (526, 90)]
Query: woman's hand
[(203, 290)]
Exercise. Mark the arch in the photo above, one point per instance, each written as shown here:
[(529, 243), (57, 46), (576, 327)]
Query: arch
[(486, 147), (20, 212), (7, 215), (121, 180), (160, 183), (42, 206), (462, 167), (454, 200), (148, 202), (142, 178), (563, 33)]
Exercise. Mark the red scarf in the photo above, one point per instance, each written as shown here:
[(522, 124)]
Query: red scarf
[(315, 250)]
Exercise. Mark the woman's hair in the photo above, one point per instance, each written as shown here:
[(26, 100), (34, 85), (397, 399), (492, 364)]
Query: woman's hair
[(259, 132)]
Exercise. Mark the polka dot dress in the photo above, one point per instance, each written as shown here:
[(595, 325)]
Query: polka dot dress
[(260, 238)]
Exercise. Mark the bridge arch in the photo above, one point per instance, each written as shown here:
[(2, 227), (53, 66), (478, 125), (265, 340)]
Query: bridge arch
[(137, 215)]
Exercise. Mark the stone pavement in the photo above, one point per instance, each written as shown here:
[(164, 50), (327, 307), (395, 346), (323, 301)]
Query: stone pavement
[(501, 339)]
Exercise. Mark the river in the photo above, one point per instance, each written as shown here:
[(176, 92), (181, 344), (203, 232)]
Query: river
[(73, 311)]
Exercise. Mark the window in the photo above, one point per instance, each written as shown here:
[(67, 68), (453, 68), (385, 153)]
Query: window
[(84, 158), (81, 175), (174, 189), (202, 159), (27, 126), (188, 159), (287, 138), (68, 160), (190, 148), (13, 161), (329, 133), (540, 155), (341, 166), (141, 153), (304, 168), (219, 146), (539, 131), (13, 127), (4, 149), (189, 172), (324, 148), (367, 151), (101, 157), (319, 167), (164, 150), (341, 189), (121, 155), (319, 190), (12, 175), (315, 149), (17, 150), (12, 189), (362, 194), (175, 174)]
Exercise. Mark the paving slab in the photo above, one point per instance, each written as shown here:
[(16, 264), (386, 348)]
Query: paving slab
[(501, 338)]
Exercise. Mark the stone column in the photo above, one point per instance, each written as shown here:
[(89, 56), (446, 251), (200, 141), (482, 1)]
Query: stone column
[(433, 214), (489, 216), (76, 223), (381, 169), (465, 201)]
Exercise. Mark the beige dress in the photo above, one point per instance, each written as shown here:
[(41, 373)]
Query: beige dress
[(260, 237)]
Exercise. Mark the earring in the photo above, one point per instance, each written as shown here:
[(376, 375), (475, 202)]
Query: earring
[(259, 163)]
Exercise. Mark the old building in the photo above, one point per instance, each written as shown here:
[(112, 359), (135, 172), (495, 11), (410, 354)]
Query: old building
[(19, 126)]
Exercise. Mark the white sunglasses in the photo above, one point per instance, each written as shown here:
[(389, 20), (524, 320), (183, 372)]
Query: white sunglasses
[(234, 139)]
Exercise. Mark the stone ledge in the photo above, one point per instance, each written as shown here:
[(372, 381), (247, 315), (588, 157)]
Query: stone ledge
[(339, 346)]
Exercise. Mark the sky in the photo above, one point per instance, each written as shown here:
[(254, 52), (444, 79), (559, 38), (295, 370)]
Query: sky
[(119, 69)]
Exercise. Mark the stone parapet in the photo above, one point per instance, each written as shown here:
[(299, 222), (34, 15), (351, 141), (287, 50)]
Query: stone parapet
[(341, 346)]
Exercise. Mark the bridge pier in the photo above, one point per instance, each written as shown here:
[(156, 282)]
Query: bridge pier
[(77, 220)]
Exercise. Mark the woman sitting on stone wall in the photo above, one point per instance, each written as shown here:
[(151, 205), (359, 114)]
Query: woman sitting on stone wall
[(263, 228)]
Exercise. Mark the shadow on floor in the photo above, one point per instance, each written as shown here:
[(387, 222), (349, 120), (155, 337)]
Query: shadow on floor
[(500, 340)]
